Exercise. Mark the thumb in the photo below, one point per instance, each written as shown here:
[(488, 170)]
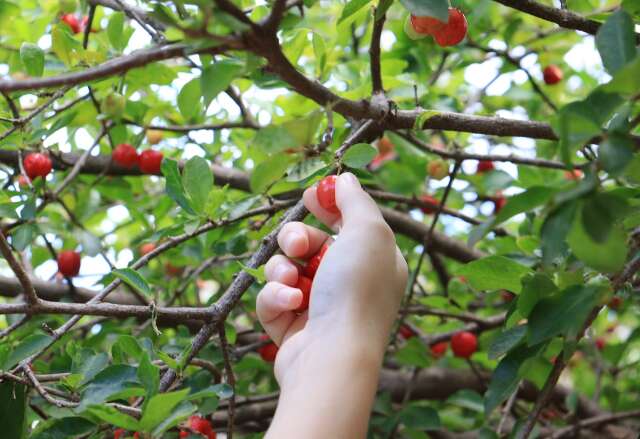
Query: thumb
[(354, 203)]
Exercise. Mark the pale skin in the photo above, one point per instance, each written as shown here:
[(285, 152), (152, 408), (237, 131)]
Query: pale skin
[(330, 357)]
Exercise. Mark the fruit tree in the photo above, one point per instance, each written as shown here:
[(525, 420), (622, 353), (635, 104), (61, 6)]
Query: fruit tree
[(151, 151)]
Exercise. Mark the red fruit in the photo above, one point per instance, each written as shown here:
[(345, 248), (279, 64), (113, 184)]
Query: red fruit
[(439, 349), (429, 210), (385, 146), (304, 284), (201, 425), (72, 21), (575, 174), (37, 164), (269, 351), (464, 344), (615, 302), (184, 434), (406, 332), (150, 161), (309, 269), (172, 270), (327, 194), (485, 166), (84, 23), (600, 343), (507, 296), (611, 328), (147, 248), (23, 181), (552, 74), (381, 159), (119, 432), (426, 25), (69, 263), (454, 31), (136, 435), (498, 204), (125, 155)]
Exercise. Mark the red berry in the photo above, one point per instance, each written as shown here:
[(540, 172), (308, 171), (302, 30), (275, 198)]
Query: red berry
[(381, 159), (615, 302), (485, 166), (23, 181), (600, 343), (454, 31), (201, 425), (304, 285), (426, 25), (552, 74), (309, 269), (464, 344), (72, 21), (575, 174), (136, 435), (498, 203), (439, 349), (406, 332), (118, 433), (184, 434), (269, 351), (385, 146), (69, 263), (147, 248), (429, 210), (173, 270), (125, 155), (150, 161), (37, 164), (327, 194), (507, 296)]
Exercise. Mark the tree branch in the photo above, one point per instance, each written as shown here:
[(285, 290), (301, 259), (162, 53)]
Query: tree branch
[(27, 288), (374, 54)]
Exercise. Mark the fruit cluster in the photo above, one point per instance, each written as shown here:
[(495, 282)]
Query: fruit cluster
[(195, 426), (148, 161), (445, 34), (463, 344)]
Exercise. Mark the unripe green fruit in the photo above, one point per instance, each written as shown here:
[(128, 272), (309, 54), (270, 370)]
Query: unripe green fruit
[(410, 31), (67, 6), (113, 106), (438, 169)]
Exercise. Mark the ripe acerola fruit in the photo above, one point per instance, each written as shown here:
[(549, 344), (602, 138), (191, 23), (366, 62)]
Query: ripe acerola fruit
[(439, 349), (113, 106), (37, 164), (498, 203), (304, 285), (150, 161), (202, 425), (454, 31), (326, 194), (172, 270), (433, 204), (71, 21), (309, 269), (552, 74), (485, 166), (85, 22), (147, 247), (385, 146), (615, 302), (426, 25), (118, 433), (437, 169), (269, 351), (507, 296), (125, 155), (154, 136), (410, 31), (69, 263), (600, 343), (464, 344), (575, 174), (406, 332)]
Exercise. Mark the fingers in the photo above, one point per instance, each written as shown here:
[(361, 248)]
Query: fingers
[(298, 240), (310, 198), (280, 269), (275, 305), (354, 203)]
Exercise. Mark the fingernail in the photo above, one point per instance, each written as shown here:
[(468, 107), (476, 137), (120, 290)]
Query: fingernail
[(290, 240), (349, 178), (280, 271), (285, 296)]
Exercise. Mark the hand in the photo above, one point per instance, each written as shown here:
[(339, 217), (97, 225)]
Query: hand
[(356, 292)]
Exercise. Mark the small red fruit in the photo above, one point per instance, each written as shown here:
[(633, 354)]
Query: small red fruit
[(69, 263), (498, 204), (184, 434), (406, 332), (147, 248), (575, 174), (309, 269), (385, 146), (150, 161), (454, 31), (615, 302), (439, 349), (464, 344), (507, 296), (125, 155), (37, 164), (173, 270), (552, 74), (485, 166), (304, 285), (433, 204), (136, 435), (600, 343), (381, 159), (72, 21), (118, 433), (326, 193), (426, 25), (437, 169), (269, 351), (201, 425), (23, 181)]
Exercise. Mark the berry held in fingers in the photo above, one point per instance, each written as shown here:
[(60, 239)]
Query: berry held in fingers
[(309, 269), (269, 351), (304, 285), (326, 193)]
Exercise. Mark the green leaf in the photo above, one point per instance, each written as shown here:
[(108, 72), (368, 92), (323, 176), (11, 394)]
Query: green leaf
[(418, 416), (160, 407), (574, 126), (178, 414), (615, 41), (64, 45), (27, 347), (599, 214), (22, 236), (351, 8), (189, 99), (507, 340), (534, 288), (274, 138), (608, 256), (222, 391), (149, 375), (197, 180), (303, 130), (216, 78), (134, 279), (320, 52), (128, 344), (32, 58), (468, 399), (626, 80), (413, 353), (494, 273), (257, 273), (115, 417), (615, 153), (423, 117), (13, 406), (115, 30), (555, 230), (88, 366), (173, 184), (563, 313), (267, 173), (359, 155), (305, 169), (114, 382), (63, 428), (428, 8)]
